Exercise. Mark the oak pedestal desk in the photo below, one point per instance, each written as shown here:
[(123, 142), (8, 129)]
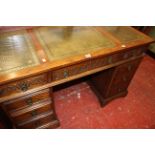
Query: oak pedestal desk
[(34, 60)]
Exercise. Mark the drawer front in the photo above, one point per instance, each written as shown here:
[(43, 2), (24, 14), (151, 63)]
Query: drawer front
[(115, 58), (91, 64), (71, 70), (23, 85), (99, 62), (27, 101), (38, 123), (20, 117), (123, 76)]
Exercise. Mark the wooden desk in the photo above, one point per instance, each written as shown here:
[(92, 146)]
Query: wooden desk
[(35, 59)]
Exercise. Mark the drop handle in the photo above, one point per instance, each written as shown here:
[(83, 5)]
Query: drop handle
[(34, 113), (29, 101), (110, 60), (24, 86), (65, 74), (81, 68)]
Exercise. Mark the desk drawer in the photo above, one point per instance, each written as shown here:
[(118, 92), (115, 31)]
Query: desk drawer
[(115, 58), (27, 101), (32, 124), (23, 85), (91, 64), (27, 113), (71, 70)]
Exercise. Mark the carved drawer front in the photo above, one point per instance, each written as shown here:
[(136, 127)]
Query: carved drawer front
[(27, 101), (30, 112), (139, 51), (104, 61), (71, 70), (48, 118), (123, 76), (124, 55), (23, 85), (111, 59), (98, 62)]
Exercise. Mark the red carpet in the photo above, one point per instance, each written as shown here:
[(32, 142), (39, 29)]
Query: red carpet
[(78, 107)]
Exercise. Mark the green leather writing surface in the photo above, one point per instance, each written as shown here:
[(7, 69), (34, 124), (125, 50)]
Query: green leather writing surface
[(16, 51), (63, 42), (124, 34)]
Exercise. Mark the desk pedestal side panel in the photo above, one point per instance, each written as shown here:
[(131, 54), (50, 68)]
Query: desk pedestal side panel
[(114, 82)]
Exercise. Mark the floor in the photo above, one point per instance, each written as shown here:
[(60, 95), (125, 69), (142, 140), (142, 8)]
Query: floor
[(78, 107)]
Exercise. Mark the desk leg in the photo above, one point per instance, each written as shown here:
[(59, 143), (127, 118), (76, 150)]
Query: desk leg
[(113, 83)]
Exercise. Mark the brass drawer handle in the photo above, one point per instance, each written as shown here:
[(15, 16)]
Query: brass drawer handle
[(65, 74), (29, 101), (34, 113), (23, 86), (82, 68), (110, 60)]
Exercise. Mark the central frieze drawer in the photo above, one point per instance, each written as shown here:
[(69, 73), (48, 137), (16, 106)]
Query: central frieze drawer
[(71, 70)]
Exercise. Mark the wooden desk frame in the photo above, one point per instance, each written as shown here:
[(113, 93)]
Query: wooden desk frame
[(110, 73)]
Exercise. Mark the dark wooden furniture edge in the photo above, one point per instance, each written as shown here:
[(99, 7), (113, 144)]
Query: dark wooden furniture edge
[(151, 54)]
